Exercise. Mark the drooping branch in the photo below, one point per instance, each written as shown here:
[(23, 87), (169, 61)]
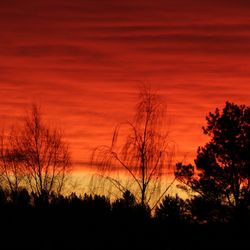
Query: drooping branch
[(142, 153)]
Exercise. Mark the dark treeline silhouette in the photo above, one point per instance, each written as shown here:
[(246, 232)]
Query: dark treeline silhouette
[(93, 221), (36, 214)]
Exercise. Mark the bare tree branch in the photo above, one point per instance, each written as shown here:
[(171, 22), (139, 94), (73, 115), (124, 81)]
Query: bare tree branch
[(143, 153)]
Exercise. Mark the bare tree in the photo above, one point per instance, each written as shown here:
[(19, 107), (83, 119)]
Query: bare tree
[(11, 169), (45, 156), (144, 154)]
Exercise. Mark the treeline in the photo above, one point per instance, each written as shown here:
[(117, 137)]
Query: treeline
[(172, 210), (54, 221)]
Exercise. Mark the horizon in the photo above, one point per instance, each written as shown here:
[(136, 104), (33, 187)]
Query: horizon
[(81, 61)]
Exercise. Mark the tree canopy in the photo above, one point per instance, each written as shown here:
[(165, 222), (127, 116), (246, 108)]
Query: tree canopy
[(222, 166)]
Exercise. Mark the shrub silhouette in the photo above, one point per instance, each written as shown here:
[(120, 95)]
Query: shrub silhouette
[(127, 209), (173, 210)]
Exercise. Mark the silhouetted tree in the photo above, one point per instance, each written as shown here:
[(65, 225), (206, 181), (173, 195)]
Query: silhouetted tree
[(45, 156), (128, 209), (96, 205), (127, 201), (21, 198), (206, 210), (173, 210), (222, 170), (142, 154)]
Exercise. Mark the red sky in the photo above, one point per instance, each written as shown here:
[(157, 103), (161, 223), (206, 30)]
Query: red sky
[(82, 59)]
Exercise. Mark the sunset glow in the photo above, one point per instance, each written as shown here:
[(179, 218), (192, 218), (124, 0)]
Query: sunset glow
[(82, 62)]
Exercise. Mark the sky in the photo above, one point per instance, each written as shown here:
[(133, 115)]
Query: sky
[(82, 61)]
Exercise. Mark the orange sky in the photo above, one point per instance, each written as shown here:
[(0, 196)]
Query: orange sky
[(81, 60)]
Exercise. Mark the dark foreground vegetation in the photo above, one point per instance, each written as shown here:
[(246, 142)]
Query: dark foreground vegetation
[(90, 222)]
